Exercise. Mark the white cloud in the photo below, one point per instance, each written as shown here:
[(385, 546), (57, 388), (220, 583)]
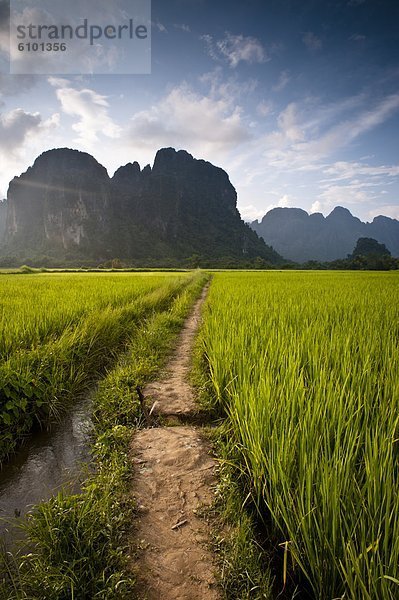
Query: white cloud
[(388, 210), (235, 49), (22, 135), (304, 138), (316, 207), (187, 119), (90, 108), (344, 194), (15, 126), (311, 41), (59, 82), (357, 37), (347, 131), (159, 26), (264, 108), (11, 85), (286, 201), (251, 213), (231, 89), (289, 125), (342, 170)]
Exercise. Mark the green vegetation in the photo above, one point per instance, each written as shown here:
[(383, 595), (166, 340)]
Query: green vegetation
[(61, 331), (370, 247), (34, 310), (77, 543), (304, 366), (303, 369), (243, 568)]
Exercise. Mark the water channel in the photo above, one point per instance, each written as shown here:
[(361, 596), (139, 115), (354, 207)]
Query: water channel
[(46, 463)]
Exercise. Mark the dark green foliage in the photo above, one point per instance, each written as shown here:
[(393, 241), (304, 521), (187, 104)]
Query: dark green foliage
[(369, 247)]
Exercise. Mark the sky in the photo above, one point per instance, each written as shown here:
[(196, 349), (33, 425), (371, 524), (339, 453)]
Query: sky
[(298, 100)]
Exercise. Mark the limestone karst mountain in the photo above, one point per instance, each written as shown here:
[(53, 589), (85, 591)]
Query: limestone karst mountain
[(67, 206), (300, 237)]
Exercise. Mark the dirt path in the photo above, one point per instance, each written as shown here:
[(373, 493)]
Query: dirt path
[(173, 394), (174, 480)]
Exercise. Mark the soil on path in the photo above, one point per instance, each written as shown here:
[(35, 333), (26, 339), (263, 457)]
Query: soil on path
[(173, 395), (173, 481)]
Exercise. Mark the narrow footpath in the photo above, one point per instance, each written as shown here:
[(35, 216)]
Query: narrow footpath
[(174, 479)]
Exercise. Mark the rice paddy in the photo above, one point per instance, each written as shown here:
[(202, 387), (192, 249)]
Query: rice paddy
[(303, 368), (306, 368), (59, 331)]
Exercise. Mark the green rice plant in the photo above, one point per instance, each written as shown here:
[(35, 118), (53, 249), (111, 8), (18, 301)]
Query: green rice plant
[(34, 309), (243, 568), (37, 384), (305, 366)]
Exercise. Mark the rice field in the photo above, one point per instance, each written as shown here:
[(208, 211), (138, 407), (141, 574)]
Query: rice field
[(34, 308), (304, 368), (59, 332), (305, 365)]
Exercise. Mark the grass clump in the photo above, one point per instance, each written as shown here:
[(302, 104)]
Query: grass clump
[(244, 569)]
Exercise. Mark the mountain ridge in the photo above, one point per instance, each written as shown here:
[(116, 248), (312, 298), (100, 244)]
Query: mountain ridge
[(67, 206), (300, 236)]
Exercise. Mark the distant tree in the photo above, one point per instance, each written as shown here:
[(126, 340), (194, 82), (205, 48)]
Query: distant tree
[(369, 247), (116, 263), (368, 255), (259, 263), (194, 261), (313, 265)]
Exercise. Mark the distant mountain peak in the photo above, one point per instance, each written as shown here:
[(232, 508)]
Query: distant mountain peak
[(169, 158), (69, 155), (340, 212), (301, 237), (126, 173)]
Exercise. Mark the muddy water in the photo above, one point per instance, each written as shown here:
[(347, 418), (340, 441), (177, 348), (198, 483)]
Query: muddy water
[(48, 462)]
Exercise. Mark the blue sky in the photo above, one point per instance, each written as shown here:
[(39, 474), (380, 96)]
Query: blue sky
[(297, 100)]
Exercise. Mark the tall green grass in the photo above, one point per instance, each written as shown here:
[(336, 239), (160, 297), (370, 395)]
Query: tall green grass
[(36, 384), (306, 366), (34, 309)]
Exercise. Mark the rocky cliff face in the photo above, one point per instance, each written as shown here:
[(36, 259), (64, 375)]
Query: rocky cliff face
[(66, 204), (60, 203), (3, 220), (185, 206), (301, 237)]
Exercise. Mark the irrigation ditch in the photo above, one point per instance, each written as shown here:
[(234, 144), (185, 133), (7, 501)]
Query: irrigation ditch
[(49, 461)]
